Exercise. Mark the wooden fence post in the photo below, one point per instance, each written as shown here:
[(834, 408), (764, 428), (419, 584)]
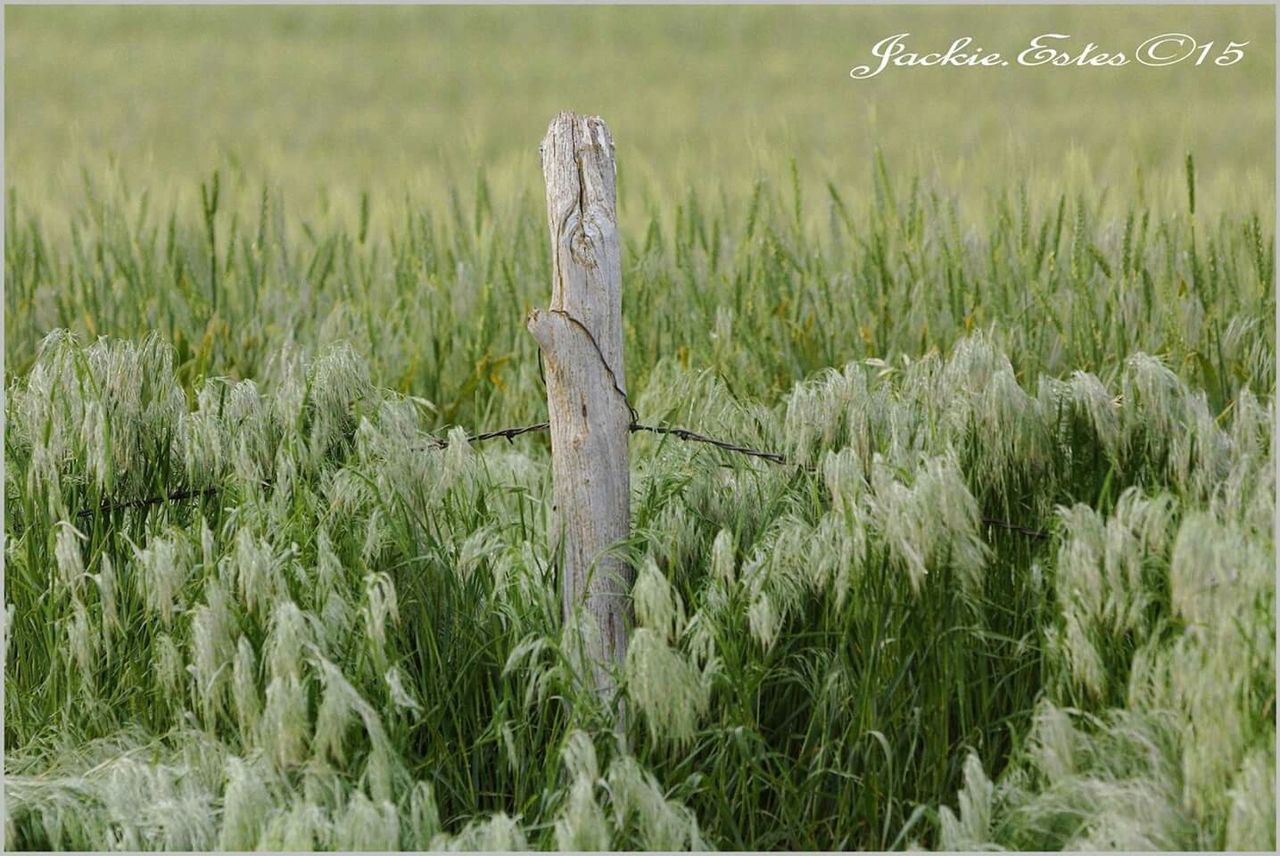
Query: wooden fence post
[(580, 336)]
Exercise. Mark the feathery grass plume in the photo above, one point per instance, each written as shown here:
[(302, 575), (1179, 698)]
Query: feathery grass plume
[(244, 687), (382, 764), (82, 643), (1106, 581), (254, 430), (208, 547), (837, 548), (285, 724), (844, 477), (246, 802), (334, 718), (282, 494), (497, 833), (520, 583), (338, 383), (43, 481), (723, 556), (578, 754), (95, 439), (1222, 584), (640, 806), (6, 632), (458, 456), (542, 665), (658, 606), (34, 426), (366, 825), (987, 407), (422, 822), (1111, 783), (1153, 412), (764, 619), (742, 497), (291, 632), (299, 827), (808, 418), (336, 616), (328, 572), (127, 791), (1244, 344), (665, 687), (1084, 400), (700, 631), (375, 537), (212, 649), (286, 369), (1138, 534), (324, 787), (827, 412), (1081, 653), (1052, 742), (1248, 495), (478, 550), (379, 606), (776, 576), (932, 523), (400, 697), (1216, 570), (1251, 821), (1133, 816), (69, 559), (1093, 399), (105, 581), (679, 539), (164, 566), (1218, 714), (581, 824), (1131, 787), (204, 438), (757, 552), (677, 395), (170, 672), (1200, 453), (257, 573), (1251, 426), (971, 830)]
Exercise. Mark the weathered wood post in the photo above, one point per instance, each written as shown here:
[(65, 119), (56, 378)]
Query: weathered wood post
[(581, 340)]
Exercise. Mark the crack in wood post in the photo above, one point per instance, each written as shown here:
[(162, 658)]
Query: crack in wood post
[(580, 340)]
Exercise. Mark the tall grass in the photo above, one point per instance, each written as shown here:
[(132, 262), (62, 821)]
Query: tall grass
[(345, 634)]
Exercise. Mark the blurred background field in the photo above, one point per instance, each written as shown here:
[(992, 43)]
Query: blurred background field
[(411, 101)]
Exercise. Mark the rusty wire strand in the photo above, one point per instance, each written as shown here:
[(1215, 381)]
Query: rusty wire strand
[(509, 434)]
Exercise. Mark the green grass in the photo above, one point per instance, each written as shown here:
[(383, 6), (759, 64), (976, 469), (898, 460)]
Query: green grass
[(344, 636)]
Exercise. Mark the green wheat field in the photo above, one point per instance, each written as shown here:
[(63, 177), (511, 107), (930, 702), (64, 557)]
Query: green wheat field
[(1017, 326)]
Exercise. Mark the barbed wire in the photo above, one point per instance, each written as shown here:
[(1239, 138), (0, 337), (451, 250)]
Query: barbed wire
[(509, 434)]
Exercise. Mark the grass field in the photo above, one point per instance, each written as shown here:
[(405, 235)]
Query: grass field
[(1019, 325)]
